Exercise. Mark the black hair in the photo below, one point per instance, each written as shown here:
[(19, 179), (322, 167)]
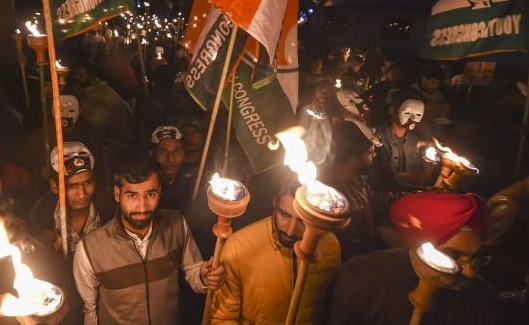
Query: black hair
[(348, 142), (323, 84), (134, 168), (404, 94), (85, 63), (163, 78), (287, 181), (433, 71), (358, 58)]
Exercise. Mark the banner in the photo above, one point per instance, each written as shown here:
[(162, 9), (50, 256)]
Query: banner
[(262, 104), (466, 28), (262, 19), (74, 17)]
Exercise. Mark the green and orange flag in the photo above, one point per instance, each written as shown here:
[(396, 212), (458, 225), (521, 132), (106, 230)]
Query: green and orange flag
[(465, 28), (75, 17), (263, 65)]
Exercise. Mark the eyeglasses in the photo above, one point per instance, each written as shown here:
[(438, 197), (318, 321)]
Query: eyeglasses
[(476, 262)]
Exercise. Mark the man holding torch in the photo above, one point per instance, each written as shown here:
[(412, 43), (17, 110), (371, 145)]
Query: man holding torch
[(399, 164), (127, 271), (382, 287), (261, 267)]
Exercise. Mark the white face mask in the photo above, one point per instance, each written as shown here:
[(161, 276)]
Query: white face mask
[(69, 110), (411, 113)]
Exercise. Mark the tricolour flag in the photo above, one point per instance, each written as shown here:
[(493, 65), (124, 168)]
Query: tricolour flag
[(458, 28), (259, 18), (75, 17), (265, 95)]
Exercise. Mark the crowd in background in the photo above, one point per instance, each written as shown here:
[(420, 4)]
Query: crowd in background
[(106, 109)]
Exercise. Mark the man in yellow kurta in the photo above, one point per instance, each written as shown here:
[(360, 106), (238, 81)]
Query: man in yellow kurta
[(261, 268)]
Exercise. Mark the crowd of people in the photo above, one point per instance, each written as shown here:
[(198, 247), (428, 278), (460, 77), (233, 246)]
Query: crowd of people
[(140, 244)]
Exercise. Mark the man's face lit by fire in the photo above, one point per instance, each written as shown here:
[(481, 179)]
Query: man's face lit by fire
[(463, 247), (289, 227), (410, 113), (138, 202)]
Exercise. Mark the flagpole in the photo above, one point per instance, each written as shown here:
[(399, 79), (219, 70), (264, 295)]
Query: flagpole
[(214, 113), (141, 57), (523, 136), (58, 123), (228, 129)]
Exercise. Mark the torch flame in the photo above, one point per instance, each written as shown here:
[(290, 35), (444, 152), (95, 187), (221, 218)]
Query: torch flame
[(32, 28), (226, 188), (431, 154), (318, 194), (36, 297), (436, 259), (60, 67), (296, 155), (449, 154)]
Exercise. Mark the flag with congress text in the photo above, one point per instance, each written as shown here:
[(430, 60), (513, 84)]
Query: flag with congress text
[(264, 94), (458, 29), (75, 17)]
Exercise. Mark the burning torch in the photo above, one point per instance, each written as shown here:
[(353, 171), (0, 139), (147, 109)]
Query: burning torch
[(453, 166), (228, 199), (62, 72), (30, 300), (435, 270), (322, 209)]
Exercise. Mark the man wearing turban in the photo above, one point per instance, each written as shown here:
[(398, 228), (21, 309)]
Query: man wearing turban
[(373, 289)]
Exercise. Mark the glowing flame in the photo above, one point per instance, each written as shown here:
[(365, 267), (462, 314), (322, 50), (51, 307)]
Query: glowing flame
[(437, 260), (59, 66), (319, 195), (32, 29), (296, 155), (35, 297), (431, 154), (447, 153), (225, 188)]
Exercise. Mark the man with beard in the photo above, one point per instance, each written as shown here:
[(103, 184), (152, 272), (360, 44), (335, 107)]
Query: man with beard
[(399, 164), (352, 151), (127, 271), (373, 289), (261, 267)]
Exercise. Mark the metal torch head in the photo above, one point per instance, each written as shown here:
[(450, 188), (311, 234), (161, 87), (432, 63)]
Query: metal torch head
[(324, 208), (227, 197)]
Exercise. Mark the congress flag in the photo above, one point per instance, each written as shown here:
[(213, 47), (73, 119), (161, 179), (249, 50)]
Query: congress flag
[(75, 17), (259, 18), (265, 94), (466, 28)]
